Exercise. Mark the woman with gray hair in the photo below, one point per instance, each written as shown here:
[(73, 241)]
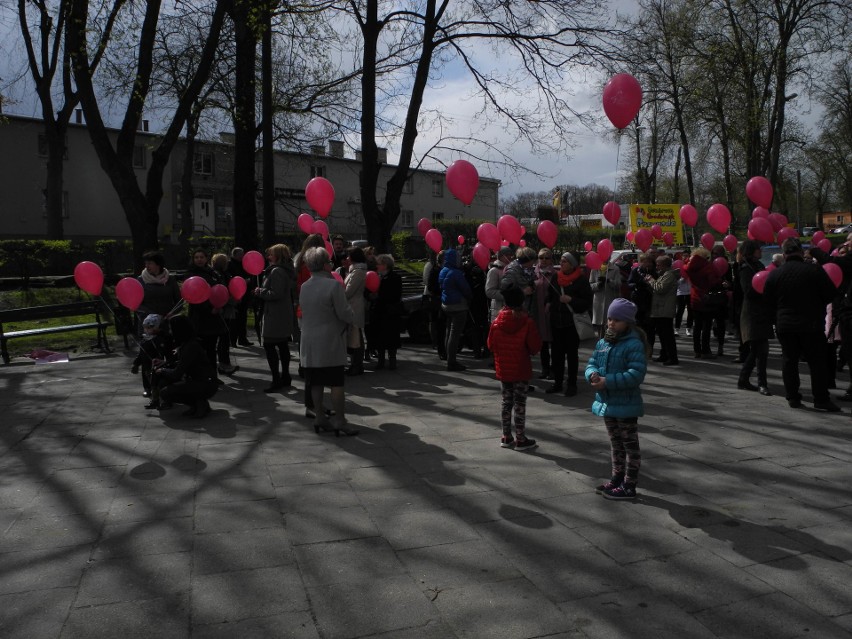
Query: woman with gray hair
[(326, 316)]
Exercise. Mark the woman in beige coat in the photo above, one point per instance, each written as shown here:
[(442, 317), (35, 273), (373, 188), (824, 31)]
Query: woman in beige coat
[(355, 282)]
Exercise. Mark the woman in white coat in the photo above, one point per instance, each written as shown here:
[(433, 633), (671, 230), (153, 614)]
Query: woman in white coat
[(326, 316), (355, 283)]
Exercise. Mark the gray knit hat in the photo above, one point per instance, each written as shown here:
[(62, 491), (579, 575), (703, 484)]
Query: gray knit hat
[(569, 257)]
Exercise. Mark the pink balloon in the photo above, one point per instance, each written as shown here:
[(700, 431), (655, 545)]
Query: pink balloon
[(423, 226), (786, 233), (678, 264), (372, 281), (824, 244), (758, 282), (834, 273), (463, 180), (688, 215), (320, 195), (195, 289), (593, 261), (481, 255), (759, 190), (509, 228), (237, 287), (320, 227), (460, 239), (588, 246), (644, 239), (488, 234), (504, 242), (305, 222), (777, 221), (781, 218), (434, 240), (720, 265), (522, 242), (89, 277), (771, 267), (219, 295), (668, 238), (612, 212), (628, 236), (605, 249), (657, 231), (817, 237), (253, 263), (759, 211), (622, 99), (719, 217), (129, 292), (761, 230), (339, 277), (730, 243), (708, 241), (523, 230), (547, 233)]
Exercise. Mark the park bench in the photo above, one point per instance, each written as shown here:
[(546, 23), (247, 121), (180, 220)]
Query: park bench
[(54, 311)]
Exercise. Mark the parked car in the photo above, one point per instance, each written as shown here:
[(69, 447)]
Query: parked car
[(809, 230), (843, 229)]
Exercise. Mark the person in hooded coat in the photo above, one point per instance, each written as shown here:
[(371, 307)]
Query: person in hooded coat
[(513, 339)]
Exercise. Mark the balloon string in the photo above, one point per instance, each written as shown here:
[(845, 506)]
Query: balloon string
[(615, 179), (174, 308)]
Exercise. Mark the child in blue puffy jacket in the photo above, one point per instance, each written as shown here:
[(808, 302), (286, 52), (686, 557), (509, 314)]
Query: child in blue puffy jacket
[(615, 370)]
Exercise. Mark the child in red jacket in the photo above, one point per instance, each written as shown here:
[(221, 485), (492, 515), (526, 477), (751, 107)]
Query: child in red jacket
[(513, 339)]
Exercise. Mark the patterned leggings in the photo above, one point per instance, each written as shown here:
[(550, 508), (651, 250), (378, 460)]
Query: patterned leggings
[(624, 447), (514, 397)]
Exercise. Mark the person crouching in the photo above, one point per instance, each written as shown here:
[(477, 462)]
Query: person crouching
[(192, 380)]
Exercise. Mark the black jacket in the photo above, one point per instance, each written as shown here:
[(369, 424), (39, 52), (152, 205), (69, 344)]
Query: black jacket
[(798, 292)]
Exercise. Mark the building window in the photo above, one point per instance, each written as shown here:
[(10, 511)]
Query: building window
[(408, 187), (65, 209), (317, 171), (437, 216), (202, 163), (42, 146), (406, 219), (438, 187), (138, 156)]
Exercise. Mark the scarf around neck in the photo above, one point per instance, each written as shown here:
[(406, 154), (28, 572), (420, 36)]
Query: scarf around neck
[(149, 278), (566, 280)]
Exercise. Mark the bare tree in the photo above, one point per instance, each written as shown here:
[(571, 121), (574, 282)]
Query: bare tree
[(406, 46), (42, 25), (141, 208)]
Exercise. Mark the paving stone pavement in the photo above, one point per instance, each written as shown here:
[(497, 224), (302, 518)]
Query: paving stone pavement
[(121, 522)]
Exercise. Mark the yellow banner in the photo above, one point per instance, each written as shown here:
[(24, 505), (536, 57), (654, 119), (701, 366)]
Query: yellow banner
[(644, 216)]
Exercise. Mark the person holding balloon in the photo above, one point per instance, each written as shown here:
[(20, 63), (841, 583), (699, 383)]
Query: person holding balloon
[(719, 297), (385, 313), (227, 307), (278, 295), (755, 320), (569, 293), (605, 283), (155, 349), (703, 278), (161, 292), (191, 378), (455, 297), (237, 330), (354, 284), (544, 274), (798, 293), (207, 321)]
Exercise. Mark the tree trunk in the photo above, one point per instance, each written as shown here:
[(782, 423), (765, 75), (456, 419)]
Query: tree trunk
[(54, 199), (245, 128), (267, 115), (187, 192)]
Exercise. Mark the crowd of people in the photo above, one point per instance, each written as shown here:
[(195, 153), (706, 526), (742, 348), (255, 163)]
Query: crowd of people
[(523, 306)]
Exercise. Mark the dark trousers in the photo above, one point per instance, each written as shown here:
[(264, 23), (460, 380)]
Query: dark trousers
[(757, 355), (564, 348), (278, 354), (438, 329), (455, 328), (545, 357), (702, 326), (683, 305), (810, 347), (664, 328), (188, 391)]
